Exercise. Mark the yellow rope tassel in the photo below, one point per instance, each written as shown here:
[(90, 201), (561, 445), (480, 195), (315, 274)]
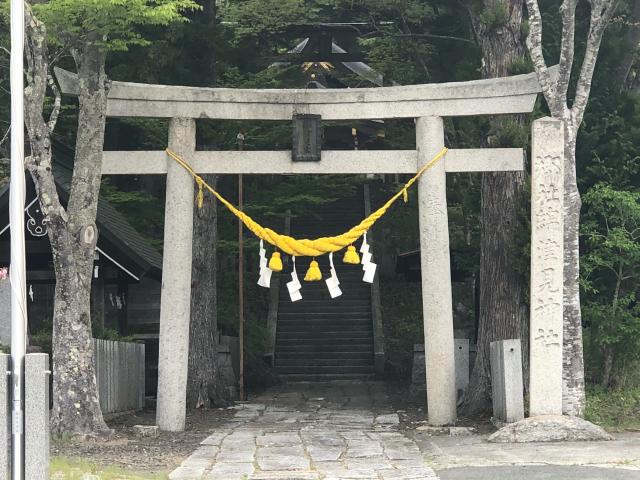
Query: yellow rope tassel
[(306, 247), (275, 263), (351, 256), (200, 197), (313, 274)]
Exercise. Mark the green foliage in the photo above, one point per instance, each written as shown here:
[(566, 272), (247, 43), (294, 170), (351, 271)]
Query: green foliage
[(42, 337), (496, 17), (112, 24), (75, 469), (611, 274), (616, 410), (139, 206)]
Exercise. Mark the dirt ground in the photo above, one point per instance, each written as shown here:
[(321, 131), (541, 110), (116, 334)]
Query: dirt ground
[(145, 455)]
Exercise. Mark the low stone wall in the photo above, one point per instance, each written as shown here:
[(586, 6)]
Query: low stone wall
[(120, 375)]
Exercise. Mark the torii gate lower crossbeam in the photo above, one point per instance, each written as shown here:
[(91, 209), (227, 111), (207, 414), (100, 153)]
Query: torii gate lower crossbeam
[(426, 103)]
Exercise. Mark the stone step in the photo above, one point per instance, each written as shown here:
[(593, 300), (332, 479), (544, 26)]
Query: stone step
[(323, 362), (322, 306), (324, 377), (335, 334), (336, 321), (319, 344), (313, 315), (299, 320), (323, 296), (321, 347), (362, 355), (330, 369)]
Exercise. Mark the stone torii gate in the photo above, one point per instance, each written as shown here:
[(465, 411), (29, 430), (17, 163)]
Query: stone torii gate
[(428, 104)]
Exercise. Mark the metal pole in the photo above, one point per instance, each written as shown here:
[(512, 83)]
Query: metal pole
[(16, 220), (241, 288)]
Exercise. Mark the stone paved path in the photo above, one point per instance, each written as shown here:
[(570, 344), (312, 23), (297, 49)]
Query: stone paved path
[(310, 431)]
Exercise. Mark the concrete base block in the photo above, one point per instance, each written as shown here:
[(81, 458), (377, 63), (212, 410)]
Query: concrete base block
[(506, 380), (5, 416), (461, 356), (549, 428), (36, 414)]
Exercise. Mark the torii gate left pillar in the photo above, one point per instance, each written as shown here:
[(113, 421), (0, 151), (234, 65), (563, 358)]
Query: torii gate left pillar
[(175, 297)]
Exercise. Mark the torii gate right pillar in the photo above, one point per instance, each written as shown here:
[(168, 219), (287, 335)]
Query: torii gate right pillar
[(436, 275)]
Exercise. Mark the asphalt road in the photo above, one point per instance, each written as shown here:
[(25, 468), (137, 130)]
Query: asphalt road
[(538, 472)]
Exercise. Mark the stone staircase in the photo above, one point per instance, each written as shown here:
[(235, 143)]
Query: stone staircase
[(319, 338)]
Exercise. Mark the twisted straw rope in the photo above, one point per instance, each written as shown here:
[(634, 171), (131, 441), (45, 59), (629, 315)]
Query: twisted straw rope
[(305, 247)]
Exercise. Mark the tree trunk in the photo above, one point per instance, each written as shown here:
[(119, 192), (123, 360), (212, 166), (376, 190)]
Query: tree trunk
[(573, 393), (76, 407), (203, 381), (72, 231), (203, 387), (503, 314)]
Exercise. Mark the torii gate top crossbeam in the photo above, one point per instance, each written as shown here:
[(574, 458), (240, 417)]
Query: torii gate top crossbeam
[(516, 94)]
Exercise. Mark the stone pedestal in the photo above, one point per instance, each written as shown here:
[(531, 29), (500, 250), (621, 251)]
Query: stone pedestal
[(36, 416), (5, 416), (436, 275), (547, 223), (506, 380), (175, 299)]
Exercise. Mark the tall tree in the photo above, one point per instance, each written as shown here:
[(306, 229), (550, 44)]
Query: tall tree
[(556, 93), (497, 26), (88, 30), (203, 380)]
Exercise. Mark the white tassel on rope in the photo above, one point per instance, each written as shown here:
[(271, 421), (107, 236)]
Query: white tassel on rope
[(294, 285), (265, 271), (333, 282), (367, 265)]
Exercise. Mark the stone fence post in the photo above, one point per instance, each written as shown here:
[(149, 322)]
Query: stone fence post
[(36, 416)]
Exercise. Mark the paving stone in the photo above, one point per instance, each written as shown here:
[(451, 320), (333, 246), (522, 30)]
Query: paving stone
[(371, 463), (282, 458), (206, 451), (285, 475), (237, 454), (407, 474), (186, 473), (230, 471), (325, 453), (402, 453), (197, 462), (365, 448), (215, 438), (408, 464), (278, 439), (330, 425)]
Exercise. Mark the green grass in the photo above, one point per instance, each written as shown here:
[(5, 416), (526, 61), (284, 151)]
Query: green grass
[(615, 410), (62, 468)]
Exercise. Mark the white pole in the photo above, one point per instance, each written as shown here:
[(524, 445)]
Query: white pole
[(16, 219)]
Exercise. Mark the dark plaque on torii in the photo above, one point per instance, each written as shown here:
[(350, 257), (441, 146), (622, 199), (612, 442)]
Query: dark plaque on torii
[(307, 138)]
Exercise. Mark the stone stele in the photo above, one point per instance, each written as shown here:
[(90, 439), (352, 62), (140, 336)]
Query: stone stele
[(549, 428)]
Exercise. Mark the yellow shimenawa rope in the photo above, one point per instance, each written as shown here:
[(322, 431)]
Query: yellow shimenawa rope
[(305, 247)]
